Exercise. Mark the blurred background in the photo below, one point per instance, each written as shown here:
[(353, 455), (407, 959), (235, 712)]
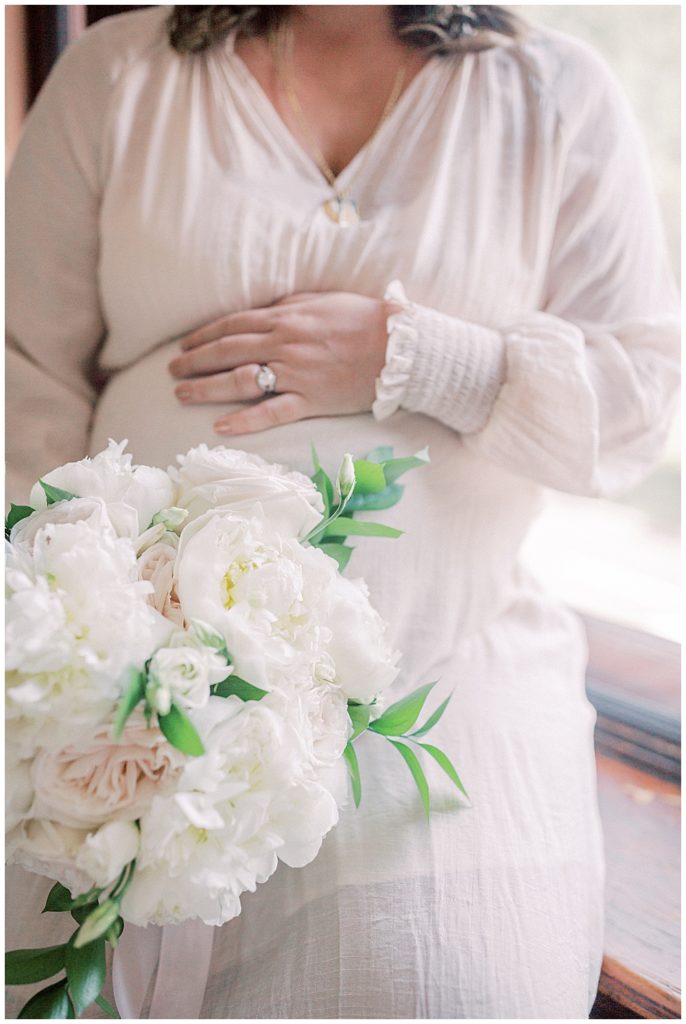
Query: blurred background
[(615, 562)]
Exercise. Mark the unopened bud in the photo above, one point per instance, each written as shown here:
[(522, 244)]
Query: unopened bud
[(345, 481)]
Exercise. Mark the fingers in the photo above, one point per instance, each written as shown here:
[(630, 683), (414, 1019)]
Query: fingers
[(224, 354), (235, 386), (249, 321), (272, 412)]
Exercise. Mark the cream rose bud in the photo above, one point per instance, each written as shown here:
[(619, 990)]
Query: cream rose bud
[(185, 675), (106, 853)]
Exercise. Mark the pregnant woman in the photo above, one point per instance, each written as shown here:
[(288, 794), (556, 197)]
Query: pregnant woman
[(363, 226)]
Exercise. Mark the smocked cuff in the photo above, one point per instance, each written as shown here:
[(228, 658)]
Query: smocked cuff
[(439, 365)]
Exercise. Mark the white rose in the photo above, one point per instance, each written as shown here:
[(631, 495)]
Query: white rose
[(184, 675), (263, 593), (105, 853), (87, 787), (365, 661), (211, 477), (111, 476)]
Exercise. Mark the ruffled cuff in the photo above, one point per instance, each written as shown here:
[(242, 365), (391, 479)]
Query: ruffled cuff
[(439, 365)]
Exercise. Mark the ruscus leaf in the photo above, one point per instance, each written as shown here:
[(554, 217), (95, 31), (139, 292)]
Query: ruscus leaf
[(24, 966), (49, 1002), (417, 773), (234, 686), (135, 692), (381, 454), (394, 468), (354, 769), (387, 498), (107, 1007), (339, 552), (85, 973), (359, 716), (344, 527), (402, 715), (180, 731), (15, 515), (369, 477), (54, 494), (59, 899), (433, 719), (444, 761)]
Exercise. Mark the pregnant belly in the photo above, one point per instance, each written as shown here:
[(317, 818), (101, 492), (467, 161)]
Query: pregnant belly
[(454, 568)]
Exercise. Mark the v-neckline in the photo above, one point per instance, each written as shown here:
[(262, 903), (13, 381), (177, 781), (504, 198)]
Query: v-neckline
[(278, 128)]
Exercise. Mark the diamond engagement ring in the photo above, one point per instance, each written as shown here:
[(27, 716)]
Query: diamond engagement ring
[(265, 378)]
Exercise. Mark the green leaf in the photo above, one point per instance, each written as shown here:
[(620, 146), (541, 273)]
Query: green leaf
[(181, 732), (445, 764), (23, 966), (394, 468), (15, 515), (81, 913), (49, 1002), (402, 715), (135, 693), (234, 686), (431, 721), (107, 1007), (387, 498), (85, 973), (339, 552), (417, 773), (59, 898), (55, 494), (96, 924), (381, 454), (369, 477), (322, 482), (345, 527), (359, 716), (354, 769)]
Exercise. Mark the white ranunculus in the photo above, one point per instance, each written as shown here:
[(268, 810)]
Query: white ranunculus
[(184, 675), (211, 477), (111, 476), (105, 780), (250, 799), (365, 661), (105, 853), (264, 594)]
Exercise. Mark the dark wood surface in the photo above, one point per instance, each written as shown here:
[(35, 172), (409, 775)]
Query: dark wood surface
[(641, 816)]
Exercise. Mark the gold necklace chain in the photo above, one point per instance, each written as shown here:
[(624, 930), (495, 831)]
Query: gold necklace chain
[(282, 52)]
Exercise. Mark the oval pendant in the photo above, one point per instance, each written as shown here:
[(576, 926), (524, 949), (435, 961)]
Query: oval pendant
[(342, 211)]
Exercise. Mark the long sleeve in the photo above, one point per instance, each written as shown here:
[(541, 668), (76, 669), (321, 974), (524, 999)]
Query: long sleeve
[(53, 316), (579, 394)]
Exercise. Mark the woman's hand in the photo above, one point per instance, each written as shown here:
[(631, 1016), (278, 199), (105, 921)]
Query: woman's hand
[(326, 349)]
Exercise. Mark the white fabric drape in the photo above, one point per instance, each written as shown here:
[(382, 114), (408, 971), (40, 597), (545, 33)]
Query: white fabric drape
[(508, 193)]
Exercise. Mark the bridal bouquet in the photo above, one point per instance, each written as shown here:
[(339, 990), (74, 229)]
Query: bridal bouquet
[(187, 674)]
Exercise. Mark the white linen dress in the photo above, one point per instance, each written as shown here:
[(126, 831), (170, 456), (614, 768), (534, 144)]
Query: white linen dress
[(507, 202)]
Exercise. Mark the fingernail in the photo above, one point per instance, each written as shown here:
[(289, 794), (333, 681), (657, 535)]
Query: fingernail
[(183, 393), (174, 368), (223, 428)]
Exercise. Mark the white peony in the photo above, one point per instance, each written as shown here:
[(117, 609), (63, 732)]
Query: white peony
[(111, 476), (105, 853), (250, 800), (50, 848), (77, 618), (261, 592), (211, 477), (366, 663)]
